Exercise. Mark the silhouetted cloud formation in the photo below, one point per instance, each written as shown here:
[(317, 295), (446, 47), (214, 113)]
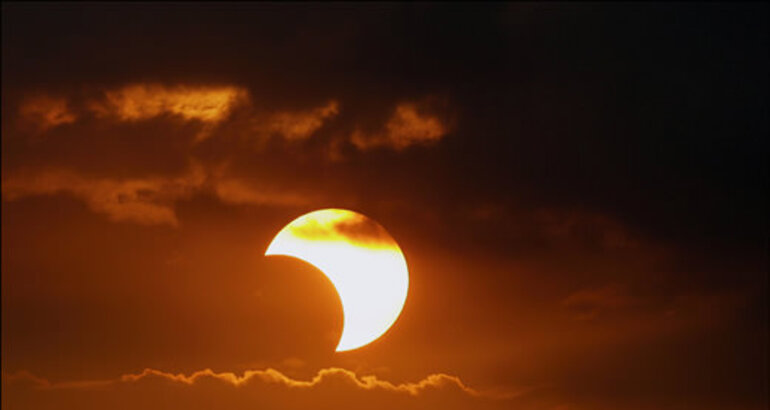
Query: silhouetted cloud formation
[(253, 388)]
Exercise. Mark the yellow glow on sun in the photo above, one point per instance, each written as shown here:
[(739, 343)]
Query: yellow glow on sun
[(363, 262)]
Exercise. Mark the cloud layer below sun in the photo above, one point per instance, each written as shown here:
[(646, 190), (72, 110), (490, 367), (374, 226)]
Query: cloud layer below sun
[(261, 388)]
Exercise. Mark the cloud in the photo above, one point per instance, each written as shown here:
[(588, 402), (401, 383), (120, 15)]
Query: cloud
[(237, 191), (44, 112), (209, 105), (143, 101), (213, 105), (408, 126), (268, 388), (125, 153), (433, 381), (269, 375), (297, 125), (143, 200)]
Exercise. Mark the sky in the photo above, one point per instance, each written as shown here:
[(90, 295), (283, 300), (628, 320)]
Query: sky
[(579, 192)]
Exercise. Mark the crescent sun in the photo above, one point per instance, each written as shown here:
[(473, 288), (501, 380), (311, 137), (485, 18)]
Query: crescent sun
[(363, 262)]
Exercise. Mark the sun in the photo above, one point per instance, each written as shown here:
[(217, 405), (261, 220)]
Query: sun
[(363, 262)]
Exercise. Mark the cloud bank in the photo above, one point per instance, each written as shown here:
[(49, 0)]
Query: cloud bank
[(188, 122), (144, 200), (211, 105), (268, 388)]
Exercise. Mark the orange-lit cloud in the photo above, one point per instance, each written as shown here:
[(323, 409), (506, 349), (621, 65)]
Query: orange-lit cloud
[(45, 112), (269, 375), (143, 200), (406, 127), (143, 101), (208, 104), (212, 105), (297, 125), (266, 387), (238, 192)]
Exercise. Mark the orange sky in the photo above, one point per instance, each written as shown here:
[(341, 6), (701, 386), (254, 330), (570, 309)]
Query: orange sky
[(576, 238)]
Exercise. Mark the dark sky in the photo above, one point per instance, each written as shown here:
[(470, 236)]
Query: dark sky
[(579, 189)]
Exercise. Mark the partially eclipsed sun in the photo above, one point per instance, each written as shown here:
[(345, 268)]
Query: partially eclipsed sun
[(363, 262)]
